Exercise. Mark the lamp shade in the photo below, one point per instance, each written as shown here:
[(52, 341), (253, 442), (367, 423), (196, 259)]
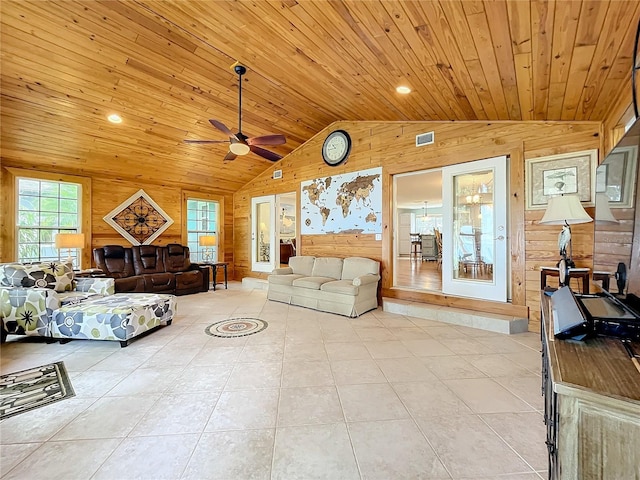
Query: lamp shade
[(69, 240), (565, 209), (208, 241), (603, 212)]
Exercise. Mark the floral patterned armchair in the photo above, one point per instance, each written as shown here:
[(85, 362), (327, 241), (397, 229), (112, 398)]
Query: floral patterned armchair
[(30, 292)]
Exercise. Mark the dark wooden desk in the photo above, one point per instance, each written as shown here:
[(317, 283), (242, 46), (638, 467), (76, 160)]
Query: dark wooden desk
[(214, 273), (582, 273)]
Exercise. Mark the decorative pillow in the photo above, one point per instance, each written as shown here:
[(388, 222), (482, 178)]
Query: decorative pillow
[(55, 275)]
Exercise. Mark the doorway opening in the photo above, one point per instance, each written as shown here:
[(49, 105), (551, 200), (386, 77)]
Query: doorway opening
[(451, 230), (273, 231)]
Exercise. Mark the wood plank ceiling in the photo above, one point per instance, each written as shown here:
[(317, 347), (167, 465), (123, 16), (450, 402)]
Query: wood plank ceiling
[(164, 66)]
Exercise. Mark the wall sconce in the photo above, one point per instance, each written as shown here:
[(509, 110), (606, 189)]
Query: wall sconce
[(565, 210), (69, 241), (207, 241)]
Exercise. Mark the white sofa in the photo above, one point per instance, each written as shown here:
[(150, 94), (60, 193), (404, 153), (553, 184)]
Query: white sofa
[(346, 286)]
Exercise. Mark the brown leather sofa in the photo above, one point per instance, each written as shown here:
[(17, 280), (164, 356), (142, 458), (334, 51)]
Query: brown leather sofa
[(152, 269)]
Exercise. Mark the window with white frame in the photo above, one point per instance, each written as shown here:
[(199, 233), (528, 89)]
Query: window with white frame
[(46, 208), (202, 225)]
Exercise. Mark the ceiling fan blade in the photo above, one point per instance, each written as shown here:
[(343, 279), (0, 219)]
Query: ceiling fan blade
[(223, 128), (206, 141), (274, 157), (229, 156), (267, 140)]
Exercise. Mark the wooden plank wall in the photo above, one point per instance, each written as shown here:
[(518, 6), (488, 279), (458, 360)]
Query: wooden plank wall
[(391, 145), (107, 192)]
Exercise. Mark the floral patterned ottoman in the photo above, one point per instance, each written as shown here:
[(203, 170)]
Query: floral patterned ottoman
[(120, 317)]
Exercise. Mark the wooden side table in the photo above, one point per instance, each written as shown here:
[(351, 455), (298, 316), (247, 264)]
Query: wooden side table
[(582, 273), (214, 273)]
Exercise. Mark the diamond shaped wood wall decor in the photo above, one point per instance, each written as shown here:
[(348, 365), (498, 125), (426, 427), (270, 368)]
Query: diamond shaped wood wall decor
[(139, 219)]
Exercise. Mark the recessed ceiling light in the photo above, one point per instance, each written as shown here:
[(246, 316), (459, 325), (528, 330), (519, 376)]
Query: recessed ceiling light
[(403, 90), (114, 118)]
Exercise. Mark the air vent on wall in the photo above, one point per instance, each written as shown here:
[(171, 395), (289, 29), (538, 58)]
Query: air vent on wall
[(424, 139), (277, 174)]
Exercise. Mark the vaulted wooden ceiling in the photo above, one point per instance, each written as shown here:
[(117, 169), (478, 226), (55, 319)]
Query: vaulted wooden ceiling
[(164, 66)]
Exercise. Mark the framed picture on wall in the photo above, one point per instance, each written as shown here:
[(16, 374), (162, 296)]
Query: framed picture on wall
[(617, 176), (566, 173)]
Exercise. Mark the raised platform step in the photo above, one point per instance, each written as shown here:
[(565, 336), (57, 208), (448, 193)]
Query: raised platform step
[(257, 283), (456, 316)]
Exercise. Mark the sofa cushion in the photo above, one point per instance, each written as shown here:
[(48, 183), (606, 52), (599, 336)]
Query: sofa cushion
[(55, 275), (312, 283), (344, 287), (302, 264), (357, 266), (327, 267), (284, 279)]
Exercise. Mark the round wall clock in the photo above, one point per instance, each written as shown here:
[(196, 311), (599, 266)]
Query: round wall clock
[(336, 148)]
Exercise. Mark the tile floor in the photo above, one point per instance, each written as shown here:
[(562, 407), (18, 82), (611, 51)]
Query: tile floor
[(315, 395)]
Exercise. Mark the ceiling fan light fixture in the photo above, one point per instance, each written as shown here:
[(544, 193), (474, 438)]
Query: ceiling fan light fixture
[(114, 118), (238, 148), (402, 89)]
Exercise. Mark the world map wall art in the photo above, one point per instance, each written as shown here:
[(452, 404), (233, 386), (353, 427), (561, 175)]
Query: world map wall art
[(350, 203), (139, 219)]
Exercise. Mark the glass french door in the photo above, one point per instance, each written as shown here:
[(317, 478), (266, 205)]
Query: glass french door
[(263, 233), (474, 237)]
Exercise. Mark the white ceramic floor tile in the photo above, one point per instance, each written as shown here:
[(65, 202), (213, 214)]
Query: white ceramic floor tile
[(427, 348), (531, 447), (356, 371), (309, 406), (244, 409), (452, 367), (388, 349), (242, 454), (146, 381), (64, 460), (217, 354), (13, 454), (410, 369), (305, 352), (154, 458), (394, 450), (484, 395), (430, 399), (177, 414), (262, 353), (211, 378), (371, 401), (255, 375), (108, 417), (496, 365), (527, 388), (306, 374), (347, 351), (314, 452), (469, 448), (374, 334)]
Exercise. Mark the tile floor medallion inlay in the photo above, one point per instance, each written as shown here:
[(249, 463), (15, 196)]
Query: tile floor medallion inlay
[(236, 327)]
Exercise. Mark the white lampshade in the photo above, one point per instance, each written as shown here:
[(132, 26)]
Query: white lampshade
[(208, 241), (238, 148), (69, 240), (565, 209), (603, 212)]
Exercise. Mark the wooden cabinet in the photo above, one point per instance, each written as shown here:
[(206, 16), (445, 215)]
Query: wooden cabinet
[(592, 406)]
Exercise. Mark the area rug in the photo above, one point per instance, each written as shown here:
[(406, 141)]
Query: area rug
[(236, 327), (32, 388)]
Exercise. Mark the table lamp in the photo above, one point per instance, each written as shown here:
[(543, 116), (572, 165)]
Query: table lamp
[(207, 241), (69, 241), (565, 210)]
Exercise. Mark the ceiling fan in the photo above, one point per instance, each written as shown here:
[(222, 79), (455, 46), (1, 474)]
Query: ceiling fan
[(240, 144)]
